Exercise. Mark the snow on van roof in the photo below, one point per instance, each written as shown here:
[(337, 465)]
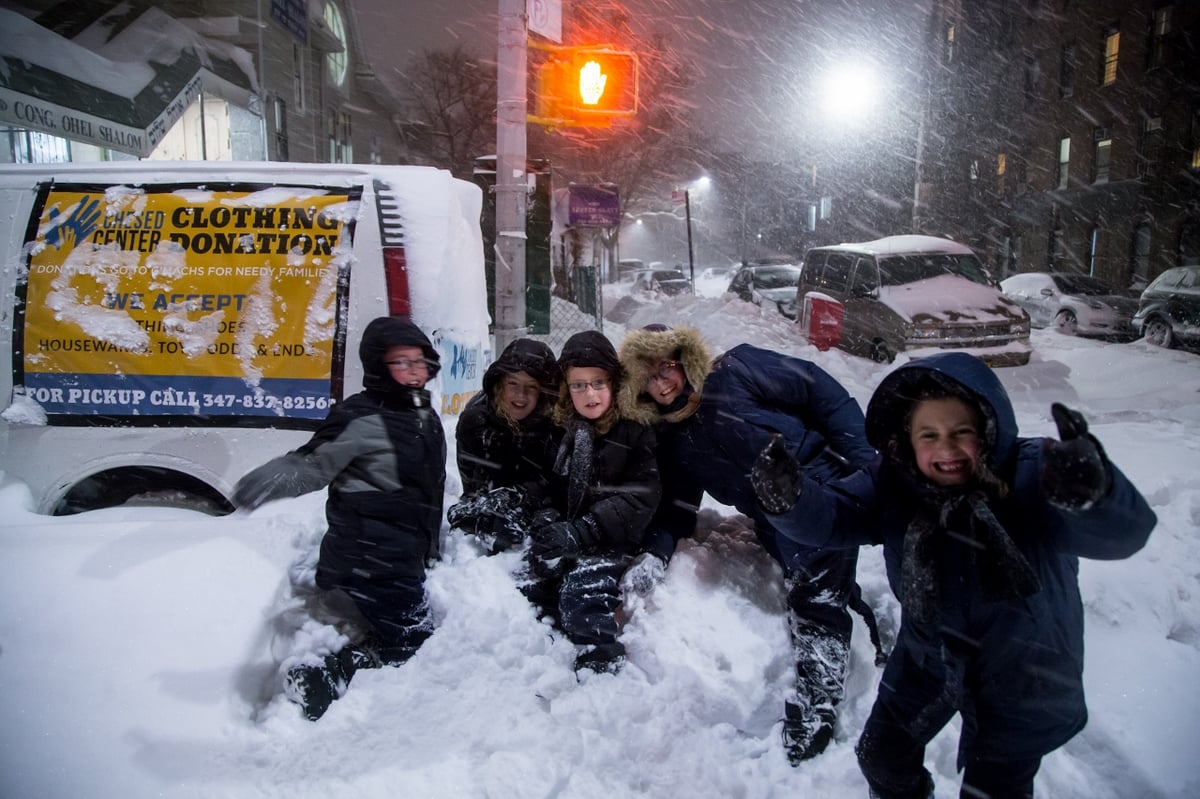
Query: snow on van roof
[(896, 245)]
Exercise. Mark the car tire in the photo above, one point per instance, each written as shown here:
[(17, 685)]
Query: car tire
[(1159, 333), (880, 352), (1066, 323)]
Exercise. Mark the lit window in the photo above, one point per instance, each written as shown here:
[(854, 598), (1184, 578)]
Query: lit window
[(337, 62), (1112, 48), (1064, 160), (949, 42)]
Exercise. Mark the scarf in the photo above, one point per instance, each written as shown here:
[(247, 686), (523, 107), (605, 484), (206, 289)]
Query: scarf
[(1003, 571), (574, 463)]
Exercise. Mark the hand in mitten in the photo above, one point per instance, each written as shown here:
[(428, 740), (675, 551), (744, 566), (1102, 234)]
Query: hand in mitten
[(562, 539), (646, 571), (776, 477), (499, 533), (1075, 473), (274, 479)]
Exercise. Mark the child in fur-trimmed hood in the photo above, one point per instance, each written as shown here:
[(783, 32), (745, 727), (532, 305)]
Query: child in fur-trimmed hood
[(712, 419)]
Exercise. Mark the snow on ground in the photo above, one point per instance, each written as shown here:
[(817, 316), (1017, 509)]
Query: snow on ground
[(139, 646)]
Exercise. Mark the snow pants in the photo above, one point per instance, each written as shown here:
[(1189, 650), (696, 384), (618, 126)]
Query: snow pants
[(376, 551), (583, 597), (892, 761), (891, 749), (818, 595)]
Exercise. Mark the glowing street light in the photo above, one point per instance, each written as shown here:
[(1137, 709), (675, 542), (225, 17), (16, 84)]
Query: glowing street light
[(848, 93)]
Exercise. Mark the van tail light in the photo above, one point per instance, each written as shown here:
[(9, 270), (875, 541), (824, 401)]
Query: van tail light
[(395, 269), (395, 263)]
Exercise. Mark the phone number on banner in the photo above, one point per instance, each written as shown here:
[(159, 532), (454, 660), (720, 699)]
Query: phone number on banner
[(115, 395)]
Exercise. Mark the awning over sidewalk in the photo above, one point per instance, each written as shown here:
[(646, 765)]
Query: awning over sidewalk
[(119, 83)]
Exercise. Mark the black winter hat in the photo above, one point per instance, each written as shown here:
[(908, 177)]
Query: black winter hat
[(381, 335), (529, 356), (590, 348)]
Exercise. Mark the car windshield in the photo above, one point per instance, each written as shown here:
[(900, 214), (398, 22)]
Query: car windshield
[(776, 277), (1082, 284), (668, 274), (897, 270)]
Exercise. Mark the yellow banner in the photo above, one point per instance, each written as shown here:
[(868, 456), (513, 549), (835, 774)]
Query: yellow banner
[(188, 288)]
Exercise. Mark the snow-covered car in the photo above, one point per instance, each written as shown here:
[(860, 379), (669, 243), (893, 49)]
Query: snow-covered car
[(1169, 311), (913, 294), (1073, 303), (766, 285), (668, 282)]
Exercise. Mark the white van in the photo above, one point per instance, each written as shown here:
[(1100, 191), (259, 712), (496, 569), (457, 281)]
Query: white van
[(171, 325)]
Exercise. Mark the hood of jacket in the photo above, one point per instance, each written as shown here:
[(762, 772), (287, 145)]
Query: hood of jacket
[(642, 349), (948, 374), (381, 335), (531, 357)]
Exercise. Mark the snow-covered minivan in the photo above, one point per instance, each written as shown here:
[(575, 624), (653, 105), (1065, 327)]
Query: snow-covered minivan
[(911, 294), (170, 325)]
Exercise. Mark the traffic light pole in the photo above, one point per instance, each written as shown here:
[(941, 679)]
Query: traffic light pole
[(511, 196)]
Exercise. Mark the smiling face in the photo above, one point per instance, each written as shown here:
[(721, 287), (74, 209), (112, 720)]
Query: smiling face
[(518, 395), (666, 382), (945, 439), (591, 390)]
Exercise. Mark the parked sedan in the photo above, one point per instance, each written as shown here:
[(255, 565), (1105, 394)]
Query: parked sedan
[(1073, 304), (766, 285), (1169, 312), (666, 282)]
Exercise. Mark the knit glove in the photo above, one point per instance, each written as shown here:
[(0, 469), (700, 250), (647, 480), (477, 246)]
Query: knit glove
[(646, 571), (565, 539), (775, 477), (1075, 473)]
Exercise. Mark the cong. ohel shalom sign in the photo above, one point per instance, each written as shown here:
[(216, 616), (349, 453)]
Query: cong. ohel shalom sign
[(153, 301)]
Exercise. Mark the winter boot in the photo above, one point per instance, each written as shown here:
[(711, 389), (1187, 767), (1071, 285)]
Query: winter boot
[(806, 734), (314, 688)]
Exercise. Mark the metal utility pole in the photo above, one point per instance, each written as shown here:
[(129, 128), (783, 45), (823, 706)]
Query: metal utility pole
[(511, 197)]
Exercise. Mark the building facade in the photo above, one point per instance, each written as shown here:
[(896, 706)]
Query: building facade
[(1061, 135), (276, 80)]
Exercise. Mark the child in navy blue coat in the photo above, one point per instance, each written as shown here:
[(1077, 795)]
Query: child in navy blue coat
[(982, 531)]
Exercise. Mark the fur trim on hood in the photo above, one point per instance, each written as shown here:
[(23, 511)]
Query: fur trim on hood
[(641, 350)]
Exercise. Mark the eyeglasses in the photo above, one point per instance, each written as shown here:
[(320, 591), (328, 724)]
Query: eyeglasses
[(594, 385), (408, 366), (665, 371)]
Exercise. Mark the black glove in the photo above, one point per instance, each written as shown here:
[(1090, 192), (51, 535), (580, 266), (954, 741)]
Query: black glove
[(563, 539), (496, 517), (1075, 473), (776, 477)]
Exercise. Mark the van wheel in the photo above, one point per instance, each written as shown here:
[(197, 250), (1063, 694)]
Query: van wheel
[(145, 486), (1066, 323), (880, 352), (1159, 333)]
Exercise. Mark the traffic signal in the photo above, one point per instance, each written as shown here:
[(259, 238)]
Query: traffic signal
[(603, 82), (586, 86)]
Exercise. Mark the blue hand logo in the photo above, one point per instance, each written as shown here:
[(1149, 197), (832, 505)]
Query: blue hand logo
[(76, 227)]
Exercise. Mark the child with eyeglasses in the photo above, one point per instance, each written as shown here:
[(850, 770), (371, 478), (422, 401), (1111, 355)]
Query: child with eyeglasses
[(604, 492), (382, 454)]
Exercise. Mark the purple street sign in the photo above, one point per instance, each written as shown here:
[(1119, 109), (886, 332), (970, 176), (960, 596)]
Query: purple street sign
[(594, 206)]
